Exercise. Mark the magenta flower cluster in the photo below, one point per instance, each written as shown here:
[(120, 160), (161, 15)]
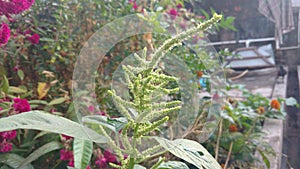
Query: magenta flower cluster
[(34, 39), (67, 155), (14, 6), (5, 140), (21, 105), (4, 33), (11, 7), (102, 161)]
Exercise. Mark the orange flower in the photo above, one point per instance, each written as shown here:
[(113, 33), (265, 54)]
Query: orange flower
[(199, 74), (233, 128), (260, 110), (275, 104)]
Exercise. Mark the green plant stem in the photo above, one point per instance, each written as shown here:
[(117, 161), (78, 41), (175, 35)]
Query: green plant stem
[(218, 140), (153, 156), (131, 163), (56, 164), (247, 135), (228, 155), (155, 166), (177, 39)]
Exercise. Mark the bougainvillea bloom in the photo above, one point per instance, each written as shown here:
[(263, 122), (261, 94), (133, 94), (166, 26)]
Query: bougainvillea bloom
[(91, 108), (101, 162), (8, 135), (179, 5), (66, 155), (4, 33), (5, 147), (134, 4), (111, 158), (66, 137), (107, 157), (21, 105), (102, 113), (275, 104), (9, 7), (173, 13), (233, 128), (34, 39)]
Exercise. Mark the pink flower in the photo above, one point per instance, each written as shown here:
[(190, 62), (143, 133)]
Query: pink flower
[(4, 33), (179, 6), (71, 163), (16, 68), (134, 4), (1, 108), (91, 108), (21, 105), (27, 32), (102, 113), (34, 39), (111, 158), (66, 137), (101, 162), (5, 147), (173, 13), (107, 157), (8, 135), (14, 6), (66, 155)]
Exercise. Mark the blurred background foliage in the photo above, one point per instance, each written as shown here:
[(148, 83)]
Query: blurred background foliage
[(42, 72)]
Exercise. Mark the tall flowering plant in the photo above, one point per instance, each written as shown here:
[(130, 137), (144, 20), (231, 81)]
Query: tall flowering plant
[(145, 83)]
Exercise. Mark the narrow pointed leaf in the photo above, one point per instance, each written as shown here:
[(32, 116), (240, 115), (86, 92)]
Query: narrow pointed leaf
[(137, 166), (83, 150), (39, 120), (173, 165), (190, 151), (51, 146), (13, 160)]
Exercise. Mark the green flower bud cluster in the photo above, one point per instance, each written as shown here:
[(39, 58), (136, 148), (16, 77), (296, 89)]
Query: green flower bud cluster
[(147, 84)]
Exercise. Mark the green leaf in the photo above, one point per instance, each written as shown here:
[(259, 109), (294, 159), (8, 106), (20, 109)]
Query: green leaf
[(190, 151), (137, 166), (4, 167), (17, 90), (265, 159), (115, 124), (13, 160), (83, 150), (39, 120), (173, 165), (38, 102), (4, 85), (40, 134), (291, 101), (51, 146), (57, 101), (21, 74), (47, 39)]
